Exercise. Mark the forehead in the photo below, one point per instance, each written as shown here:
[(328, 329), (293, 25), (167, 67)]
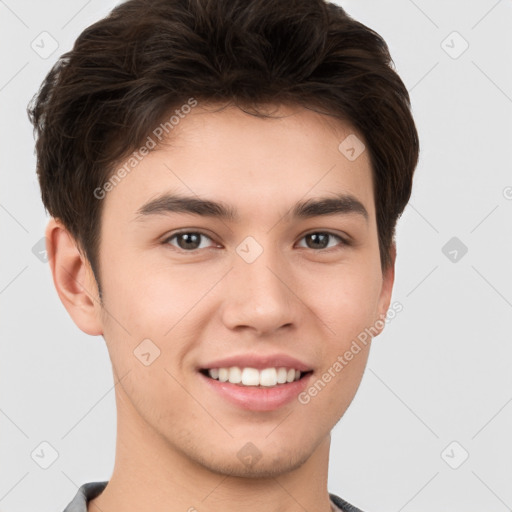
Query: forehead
[(255, 165)]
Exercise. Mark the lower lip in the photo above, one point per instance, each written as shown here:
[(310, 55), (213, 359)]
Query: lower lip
[(255, 398)]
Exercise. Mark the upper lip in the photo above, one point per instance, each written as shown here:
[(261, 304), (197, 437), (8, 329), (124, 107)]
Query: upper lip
[(258, 362)]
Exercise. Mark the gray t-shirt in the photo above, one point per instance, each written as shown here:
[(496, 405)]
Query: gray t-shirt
[(91, 490)]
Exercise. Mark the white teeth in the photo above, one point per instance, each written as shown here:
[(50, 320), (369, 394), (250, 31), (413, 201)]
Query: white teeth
[(268, 377), (250, 377), (281, 375), (235, 375)]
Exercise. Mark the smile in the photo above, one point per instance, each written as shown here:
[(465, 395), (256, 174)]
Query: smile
[(266, 377), (256, 390)]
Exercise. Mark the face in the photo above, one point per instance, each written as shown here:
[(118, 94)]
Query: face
[(277, 290)]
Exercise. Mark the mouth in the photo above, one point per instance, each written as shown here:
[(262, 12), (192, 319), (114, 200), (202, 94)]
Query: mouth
[(256, 382), (270, 377), (257, 390)]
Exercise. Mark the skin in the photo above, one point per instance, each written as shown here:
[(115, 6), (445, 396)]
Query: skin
[(178, 453)]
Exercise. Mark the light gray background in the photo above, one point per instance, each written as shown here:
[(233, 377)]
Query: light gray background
[(439, 373)]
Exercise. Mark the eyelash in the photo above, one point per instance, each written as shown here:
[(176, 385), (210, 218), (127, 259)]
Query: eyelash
[(343, 242)]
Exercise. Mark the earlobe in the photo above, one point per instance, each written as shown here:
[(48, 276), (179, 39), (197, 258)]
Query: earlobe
[(73, 279), (388, 279)]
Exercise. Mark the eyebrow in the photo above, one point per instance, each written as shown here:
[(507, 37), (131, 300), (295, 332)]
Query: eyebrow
[(174, 203)]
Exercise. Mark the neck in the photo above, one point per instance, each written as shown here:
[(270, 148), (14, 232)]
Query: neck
[(152, 475)]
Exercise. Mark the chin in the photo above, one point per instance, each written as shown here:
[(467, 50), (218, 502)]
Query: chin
[(262, 469), (250, 462)]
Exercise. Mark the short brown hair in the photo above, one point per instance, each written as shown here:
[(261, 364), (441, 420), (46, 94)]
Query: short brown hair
[(127, 71)]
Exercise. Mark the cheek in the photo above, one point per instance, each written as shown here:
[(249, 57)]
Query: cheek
[(149, 294), (156, 303), (345, 301)]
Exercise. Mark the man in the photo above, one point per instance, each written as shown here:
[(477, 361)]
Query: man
[(224, 180)]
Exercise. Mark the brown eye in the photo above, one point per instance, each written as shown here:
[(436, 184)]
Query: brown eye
[(188, 240), (320, 240)]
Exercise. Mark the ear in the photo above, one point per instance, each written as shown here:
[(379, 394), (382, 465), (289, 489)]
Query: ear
[(388, 279), (73, 279)]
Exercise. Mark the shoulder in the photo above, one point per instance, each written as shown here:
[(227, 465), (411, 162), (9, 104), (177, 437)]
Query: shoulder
[(343, 505), (85, 493)]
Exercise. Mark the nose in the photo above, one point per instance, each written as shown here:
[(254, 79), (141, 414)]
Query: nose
[(260, 296)]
